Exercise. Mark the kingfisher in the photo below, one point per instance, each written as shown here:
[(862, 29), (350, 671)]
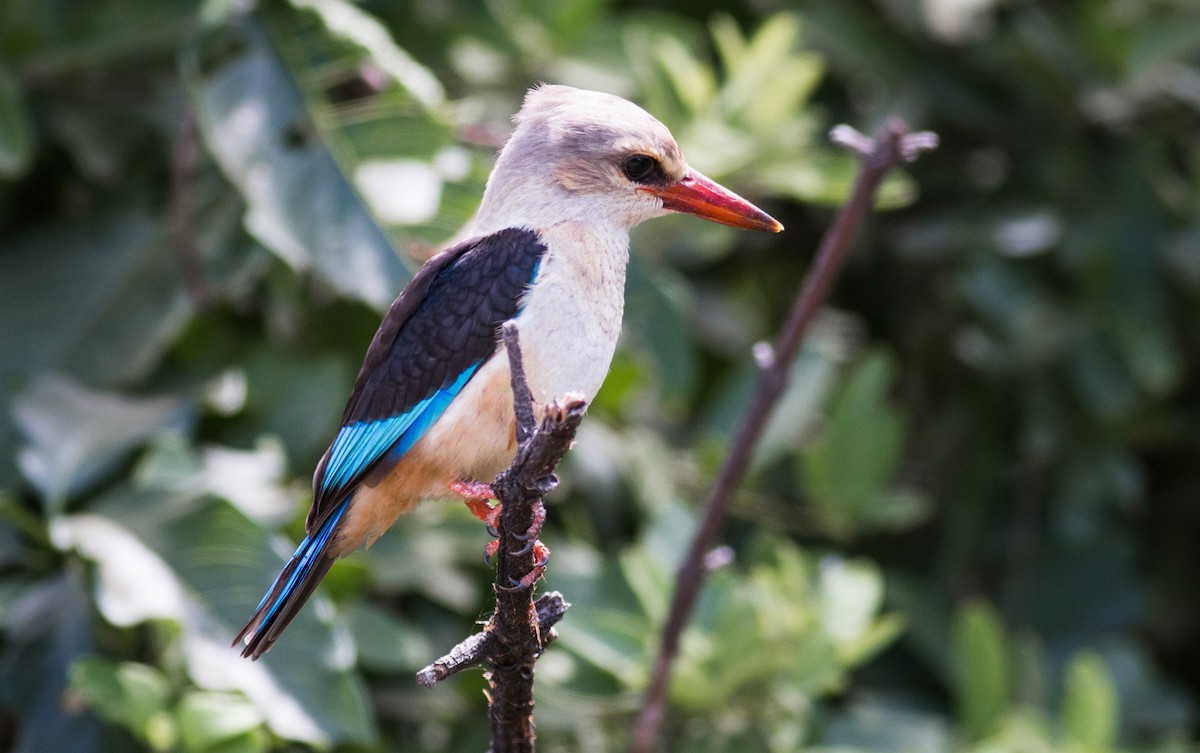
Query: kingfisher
[(431, 412)]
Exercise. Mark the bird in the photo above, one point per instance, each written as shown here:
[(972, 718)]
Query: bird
[(431, 409)]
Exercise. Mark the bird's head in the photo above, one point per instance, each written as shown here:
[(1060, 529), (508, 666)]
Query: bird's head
[(579, 154)]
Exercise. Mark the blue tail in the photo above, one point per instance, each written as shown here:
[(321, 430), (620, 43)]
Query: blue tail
[(292, 588)]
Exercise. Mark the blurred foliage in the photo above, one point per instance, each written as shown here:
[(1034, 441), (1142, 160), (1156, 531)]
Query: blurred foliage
[(971, 527)]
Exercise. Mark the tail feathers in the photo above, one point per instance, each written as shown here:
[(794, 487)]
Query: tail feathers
[(292, 588)]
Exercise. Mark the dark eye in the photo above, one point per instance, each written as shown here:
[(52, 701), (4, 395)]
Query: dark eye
[(641, 169)]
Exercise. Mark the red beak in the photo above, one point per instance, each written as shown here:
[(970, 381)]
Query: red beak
[(696, 194)]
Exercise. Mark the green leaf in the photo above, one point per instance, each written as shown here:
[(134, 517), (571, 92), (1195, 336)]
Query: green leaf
[(254, 481), (692, 81), (16, 129), (768, 80), (848, 469), (386, 643), (93, 40), (75, 436), (883, 724), (797, 414), (210, 565), (299, 205), (45, 631), (772, 44), (352, 24), (208, 719), (133, 584), (288, 396), (383, 119), (100, 298), (433, 550), (1090, 712), (850, 596), (130, 694), (1160, 41), (656, 302), (982, 662)]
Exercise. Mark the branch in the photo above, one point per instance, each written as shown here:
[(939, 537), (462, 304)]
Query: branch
[(892, 145), (519, 630)]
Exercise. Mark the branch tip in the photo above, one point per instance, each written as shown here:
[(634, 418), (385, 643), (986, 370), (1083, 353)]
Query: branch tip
[(851, 139), (764, 355), (912, 145), (718, 558), (522, 397)]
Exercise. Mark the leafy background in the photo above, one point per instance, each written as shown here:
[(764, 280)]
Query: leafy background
[(971, 528)]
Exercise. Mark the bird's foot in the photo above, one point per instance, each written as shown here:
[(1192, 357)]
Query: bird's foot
[(476, 495), (529, 538), (473, 489), (542, 553)]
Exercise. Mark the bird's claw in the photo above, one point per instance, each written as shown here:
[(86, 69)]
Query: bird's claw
[(489, 551), (525, 549), (538, 548), (535, 527), (523, 584), (516, 585), (535, 573)]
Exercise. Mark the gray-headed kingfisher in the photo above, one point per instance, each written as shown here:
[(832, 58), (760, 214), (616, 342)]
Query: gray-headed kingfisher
[(432, 406)]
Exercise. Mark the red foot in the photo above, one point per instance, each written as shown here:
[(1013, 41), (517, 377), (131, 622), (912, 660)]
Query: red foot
[(472, 489), (476, 495)]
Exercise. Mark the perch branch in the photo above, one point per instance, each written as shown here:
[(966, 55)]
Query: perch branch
[(519, 629), (892, 145)]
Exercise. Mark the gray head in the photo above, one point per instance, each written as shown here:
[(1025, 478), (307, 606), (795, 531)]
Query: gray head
[(586, 156)]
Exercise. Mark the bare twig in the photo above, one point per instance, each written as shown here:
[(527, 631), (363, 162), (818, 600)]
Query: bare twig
[(892, 145), (475, 649), (519, 630)]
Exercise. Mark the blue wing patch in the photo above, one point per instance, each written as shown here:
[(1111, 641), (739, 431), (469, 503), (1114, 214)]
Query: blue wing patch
[(360, 444)]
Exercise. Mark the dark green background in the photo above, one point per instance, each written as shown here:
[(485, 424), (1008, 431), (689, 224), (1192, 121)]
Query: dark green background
[(972, 526)]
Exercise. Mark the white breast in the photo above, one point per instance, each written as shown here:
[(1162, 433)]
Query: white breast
[(572, 316)]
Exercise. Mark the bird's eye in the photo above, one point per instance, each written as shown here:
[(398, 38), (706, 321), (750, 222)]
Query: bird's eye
[(641, 169)]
